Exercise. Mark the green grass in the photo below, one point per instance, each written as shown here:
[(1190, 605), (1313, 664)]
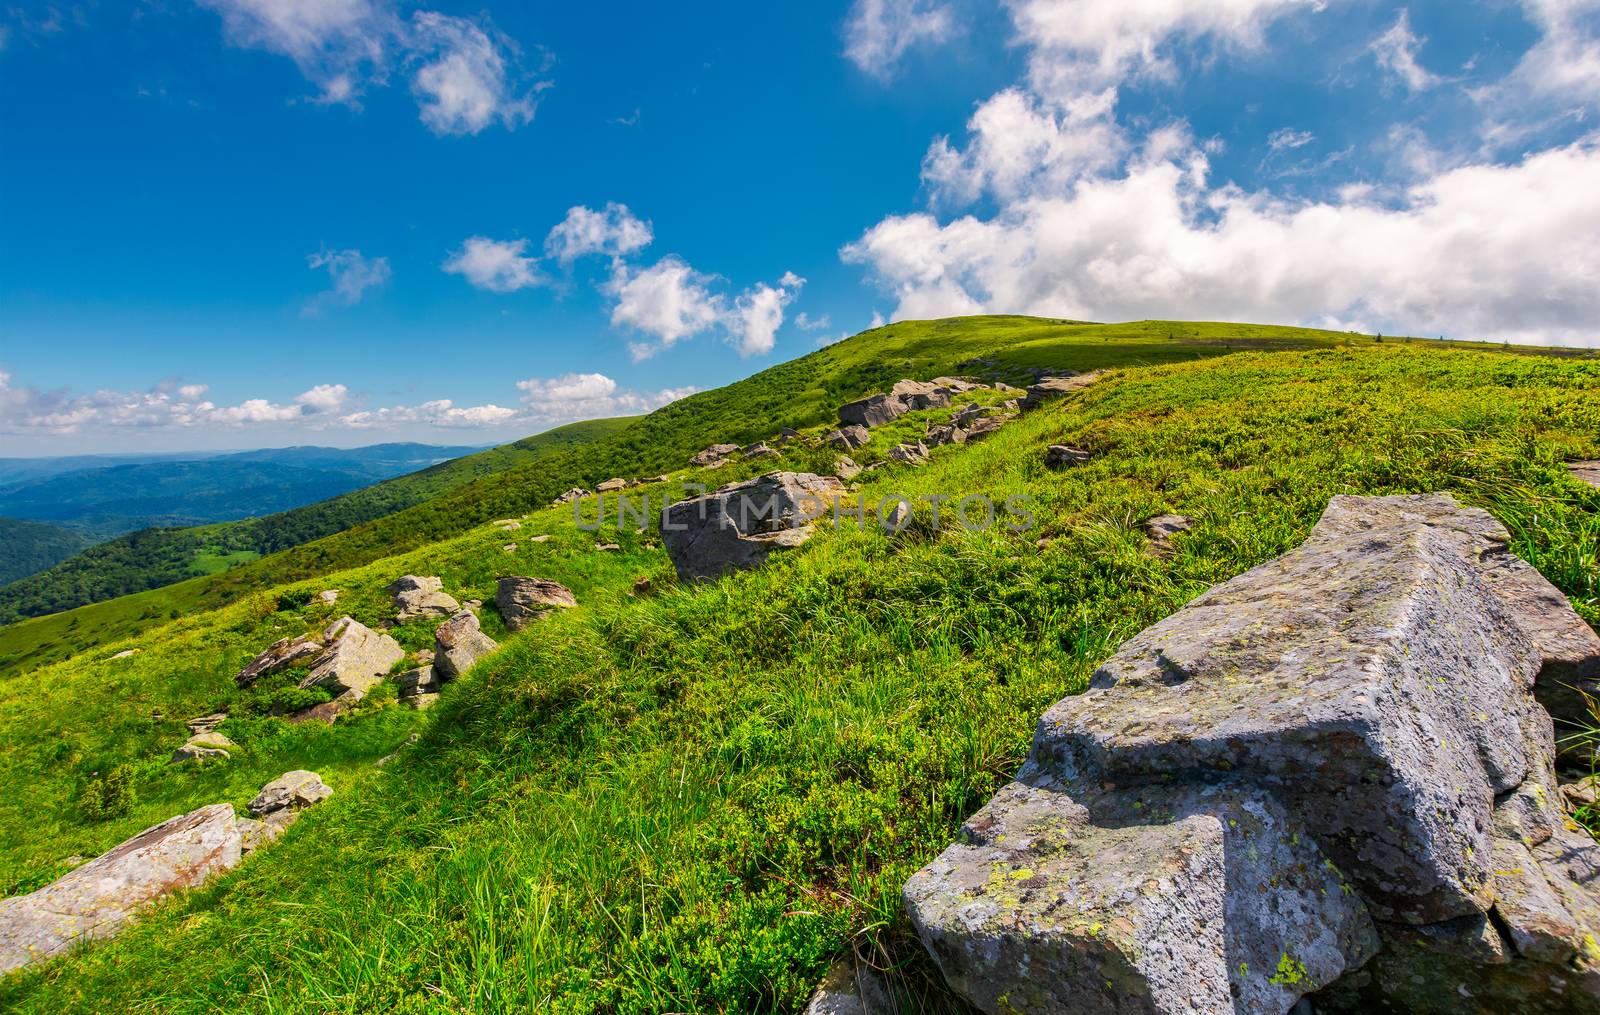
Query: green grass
[(801, 393), (215, 559), (694, 800)]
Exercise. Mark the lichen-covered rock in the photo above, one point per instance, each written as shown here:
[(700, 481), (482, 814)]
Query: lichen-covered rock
[(294, 790), (851, 989), (1367, 703), (354, 658), (98, 898), (740, 524), (418, 597), (713, 456), (522, 600), (1203, 898), (279, 655), (457, 644), (982, 427)]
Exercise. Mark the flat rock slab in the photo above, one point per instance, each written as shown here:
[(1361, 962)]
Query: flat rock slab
[(355, 658), (98, 898), (1051, 388), (279, 655), (417, 597), (1587, 472)]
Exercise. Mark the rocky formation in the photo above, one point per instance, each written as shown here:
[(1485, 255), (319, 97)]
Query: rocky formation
[(576, 493), (416, 598), (522, 600), (1051, 388), (205, 723), (328, 596), (1060, 456), (612, 486), (847, 438), (457, 644), (1588, 472), (759, 450), (909, 454), (419, 687), (713, 456), (209, 744), (846, 468), (97, 899), (279, 655), (737, 526), (904, 397), (1329, 775), (355, 658)]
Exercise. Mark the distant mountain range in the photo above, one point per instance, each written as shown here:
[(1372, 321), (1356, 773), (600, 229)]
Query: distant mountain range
[(51, 508)]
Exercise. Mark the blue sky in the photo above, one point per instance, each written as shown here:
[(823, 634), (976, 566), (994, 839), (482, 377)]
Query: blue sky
[(239, 223)]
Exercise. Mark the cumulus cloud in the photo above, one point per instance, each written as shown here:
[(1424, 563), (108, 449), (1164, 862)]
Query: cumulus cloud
[(1481, 251), (500, 266), (1396, 52), (442, 413), (805, 322), (464, 73), (28, 410), (878, 32), (613, 232), (352, 275), (589, 396), (463, 83), (670, 301)]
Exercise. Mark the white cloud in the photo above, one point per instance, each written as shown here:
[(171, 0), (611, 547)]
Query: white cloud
[(441, 413), (352, 276), (878, 32), (28, 410), (805, 322), (669, 301), (1288, 139), (465, 75), (589, 396), (1480, 251), (758, 314), (463, 85), (499, 266), (1396, 52), (340, 46), (615, 232), (1564, 65)]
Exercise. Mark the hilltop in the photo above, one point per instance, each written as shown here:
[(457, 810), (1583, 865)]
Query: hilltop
[(697, 797)]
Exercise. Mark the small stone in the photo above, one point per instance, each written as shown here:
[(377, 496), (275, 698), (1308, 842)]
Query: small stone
[(458, 644), (1160, 530), (329, 596), (612, 486), (1583, 793), (508, 525), (203, 745), (846, 468), (909, 454), (509, 548), (641, 586), (607, 547), (418, 597), (1586, 472), (125, 653), (205, 723)]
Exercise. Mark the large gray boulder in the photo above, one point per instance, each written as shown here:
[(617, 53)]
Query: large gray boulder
[(740, 524), (355, 657), (523, 600), (904, 397), (848, 438), (97, 899), (416, 598), (457, 644), (1339, 748), (294, 790)]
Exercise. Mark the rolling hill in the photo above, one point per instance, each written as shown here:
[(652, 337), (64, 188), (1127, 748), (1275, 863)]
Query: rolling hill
[(27, 547), (694, 799)]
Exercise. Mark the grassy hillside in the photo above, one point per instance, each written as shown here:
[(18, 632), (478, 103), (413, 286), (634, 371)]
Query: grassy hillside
[(692, 801), (154, 558), (799, 393), (27, 547)]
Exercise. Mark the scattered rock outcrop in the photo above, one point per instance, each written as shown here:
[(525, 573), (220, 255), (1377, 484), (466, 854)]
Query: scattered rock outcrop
[(612, 486), (328, 596), (846, 468), (205, 723), (523, 600), (416, 598), (457, 644), (279, 655), (758, 450), (1329, 775), (97, 899), (904, 397), (209, 744), (418, 687), (576, 493), (1050, 388), (909, 454), (713, 456), (1588, 472), (847, 438), (740, 524), (355, 658)]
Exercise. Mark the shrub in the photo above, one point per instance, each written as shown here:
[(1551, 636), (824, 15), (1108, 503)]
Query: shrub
[(108, 796)]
